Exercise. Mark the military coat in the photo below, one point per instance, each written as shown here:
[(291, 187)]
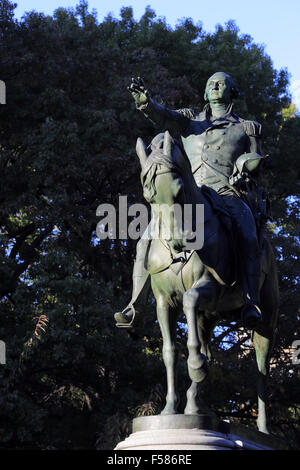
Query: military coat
[(212, 146)]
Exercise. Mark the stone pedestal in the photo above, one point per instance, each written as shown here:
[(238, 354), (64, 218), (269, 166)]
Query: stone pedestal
[(193, 432)]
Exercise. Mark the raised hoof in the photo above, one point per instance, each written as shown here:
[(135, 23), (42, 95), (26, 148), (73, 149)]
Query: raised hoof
[(198, 372), (198, 375)]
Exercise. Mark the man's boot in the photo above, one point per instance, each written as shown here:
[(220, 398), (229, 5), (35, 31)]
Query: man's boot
[(128, 317)]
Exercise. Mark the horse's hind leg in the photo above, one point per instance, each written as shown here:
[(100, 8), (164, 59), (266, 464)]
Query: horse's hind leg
[(262, 348), (207, 321), (167, 322), (263, 340)]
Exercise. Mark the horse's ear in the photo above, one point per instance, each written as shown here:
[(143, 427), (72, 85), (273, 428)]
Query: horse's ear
[(141, 151), (168, 144)]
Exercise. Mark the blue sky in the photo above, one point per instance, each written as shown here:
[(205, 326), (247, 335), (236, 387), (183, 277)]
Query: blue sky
[(274, 23)]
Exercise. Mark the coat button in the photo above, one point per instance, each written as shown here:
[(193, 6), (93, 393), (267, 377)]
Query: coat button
[(218, 147)]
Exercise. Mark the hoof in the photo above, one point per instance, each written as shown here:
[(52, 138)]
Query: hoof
[(262, 427), (169, 410), (192, 411), (198, 375), (264, 430), (198, 370)]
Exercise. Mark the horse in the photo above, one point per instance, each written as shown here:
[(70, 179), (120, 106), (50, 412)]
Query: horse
[(201, 283)]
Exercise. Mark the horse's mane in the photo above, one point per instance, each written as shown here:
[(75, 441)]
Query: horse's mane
[(157, 160)]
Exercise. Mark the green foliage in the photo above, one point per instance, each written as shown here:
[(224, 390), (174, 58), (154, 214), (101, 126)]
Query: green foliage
[(68, 134)]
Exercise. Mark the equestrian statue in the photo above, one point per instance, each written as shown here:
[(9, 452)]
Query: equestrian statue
[(209, 158)]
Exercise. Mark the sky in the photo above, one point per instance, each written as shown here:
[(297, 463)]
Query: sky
[(273, 23)]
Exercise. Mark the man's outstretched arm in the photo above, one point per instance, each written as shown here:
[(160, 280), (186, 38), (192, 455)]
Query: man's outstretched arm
[(164, 118)]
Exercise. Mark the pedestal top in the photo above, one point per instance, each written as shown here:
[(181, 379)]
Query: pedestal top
[(207, 423)]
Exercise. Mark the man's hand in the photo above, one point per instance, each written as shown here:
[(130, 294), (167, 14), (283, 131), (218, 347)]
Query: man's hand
[(139, 93)]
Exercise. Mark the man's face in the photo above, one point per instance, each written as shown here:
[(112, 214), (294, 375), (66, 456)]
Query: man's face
[(218, 89)]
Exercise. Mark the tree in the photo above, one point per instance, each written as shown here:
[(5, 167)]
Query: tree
[(68, 135)]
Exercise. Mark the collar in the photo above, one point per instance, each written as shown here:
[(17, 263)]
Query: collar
[(229, 116)]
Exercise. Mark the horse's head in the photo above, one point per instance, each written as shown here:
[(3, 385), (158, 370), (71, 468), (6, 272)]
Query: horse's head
[(164, 167), (165, 170)]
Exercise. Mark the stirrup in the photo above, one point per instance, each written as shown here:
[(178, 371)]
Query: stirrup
[(123, 314)]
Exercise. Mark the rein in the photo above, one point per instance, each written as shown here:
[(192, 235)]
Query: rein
[(158, 158)]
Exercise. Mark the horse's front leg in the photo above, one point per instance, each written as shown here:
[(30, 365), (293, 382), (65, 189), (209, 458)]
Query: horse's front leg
[(206, 325), (167, 322)]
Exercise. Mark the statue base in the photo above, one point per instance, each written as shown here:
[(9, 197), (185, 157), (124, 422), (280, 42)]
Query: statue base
[(194, 432)]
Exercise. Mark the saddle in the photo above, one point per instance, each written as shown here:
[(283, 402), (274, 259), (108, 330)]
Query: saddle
[(223, 267)]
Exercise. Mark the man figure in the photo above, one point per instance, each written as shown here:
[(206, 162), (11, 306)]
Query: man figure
[(213, 140)]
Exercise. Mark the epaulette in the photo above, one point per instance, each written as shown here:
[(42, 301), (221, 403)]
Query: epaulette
[(252, 128), (187, 112)]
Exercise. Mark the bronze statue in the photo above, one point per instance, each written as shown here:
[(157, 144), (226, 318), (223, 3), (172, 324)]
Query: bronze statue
[(213, 140), (234, 272)]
